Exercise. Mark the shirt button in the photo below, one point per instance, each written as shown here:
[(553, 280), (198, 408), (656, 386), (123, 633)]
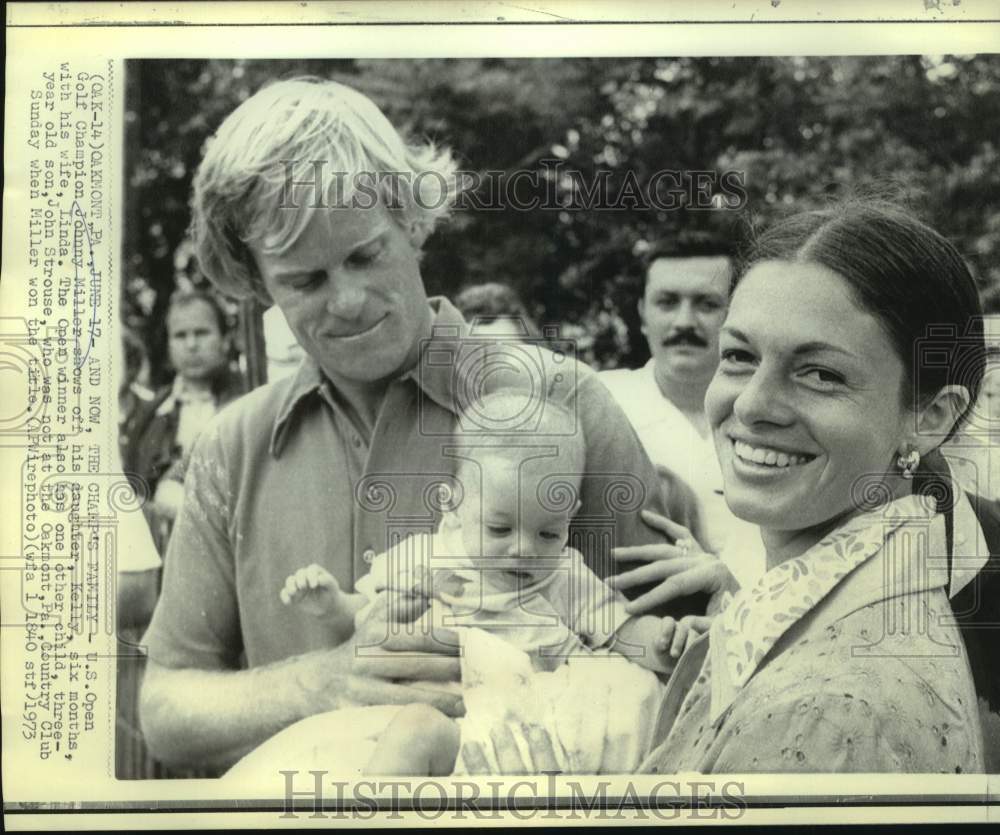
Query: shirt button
[(368, 555)]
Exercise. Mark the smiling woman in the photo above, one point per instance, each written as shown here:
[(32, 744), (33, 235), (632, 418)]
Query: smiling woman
[(851, 351), (804, 405)]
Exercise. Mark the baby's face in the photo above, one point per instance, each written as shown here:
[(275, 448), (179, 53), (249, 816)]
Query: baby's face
[(507, 522)]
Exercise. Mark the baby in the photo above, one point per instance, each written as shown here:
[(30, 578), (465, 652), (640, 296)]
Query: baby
[(500, 563)]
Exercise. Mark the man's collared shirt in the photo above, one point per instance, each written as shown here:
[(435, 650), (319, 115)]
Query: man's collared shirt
[(196, 407), (283, 478)]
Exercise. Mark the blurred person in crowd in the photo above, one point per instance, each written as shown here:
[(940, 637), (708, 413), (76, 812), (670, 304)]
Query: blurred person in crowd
[(494, 309), (325, 465), (163, 429), (682, 308), (137, 572)]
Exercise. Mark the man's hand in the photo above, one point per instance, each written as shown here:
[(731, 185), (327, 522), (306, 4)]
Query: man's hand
[(398, 657), (196, 717)]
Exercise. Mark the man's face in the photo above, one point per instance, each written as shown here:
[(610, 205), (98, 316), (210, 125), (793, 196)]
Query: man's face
[(350, 288), (197, 346), (682, 310)]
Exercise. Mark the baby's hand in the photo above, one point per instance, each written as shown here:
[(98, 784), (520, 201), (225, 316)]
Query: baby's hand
[(678, 635), (313, 588)]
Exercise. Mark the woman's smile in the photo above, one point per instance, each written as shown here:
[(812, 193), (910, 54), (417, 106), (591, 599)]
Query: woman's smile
[(802, 405), (768, 456)]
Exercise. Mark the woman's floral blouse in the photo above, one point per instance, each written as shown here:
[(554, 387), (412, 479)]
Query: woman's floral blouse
[(844, 659)]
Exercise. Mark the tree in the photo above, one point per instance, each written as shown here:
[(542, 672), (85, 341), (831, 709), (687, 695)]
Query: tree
[(797, 131)]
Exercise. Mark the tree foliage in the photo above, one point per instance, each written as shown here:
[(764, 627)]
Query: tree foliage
[(799, 131)]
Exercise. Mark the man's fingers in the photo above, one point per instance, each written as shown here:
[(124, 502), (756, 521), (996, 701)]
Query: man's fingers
[(369, 692), (420, 635), (437, 633), (422, 638), (407, 665), (394, 607)]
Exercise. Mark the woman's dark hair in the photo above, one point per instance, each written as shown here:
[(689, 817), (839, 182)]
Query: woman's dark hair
[(901, 271)]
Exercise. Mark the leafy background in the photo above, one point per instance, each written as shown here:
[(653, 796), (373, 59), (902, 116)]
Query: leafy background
[(802, 130)]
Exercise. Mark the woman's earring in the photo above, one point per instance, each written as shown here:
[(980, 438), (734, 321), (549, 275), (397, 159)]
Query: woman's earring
[(908, 463)]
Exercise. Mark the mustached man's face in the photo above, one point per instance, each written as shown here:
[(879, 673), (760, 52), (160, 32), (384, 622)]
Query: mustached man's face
[(682, 310)]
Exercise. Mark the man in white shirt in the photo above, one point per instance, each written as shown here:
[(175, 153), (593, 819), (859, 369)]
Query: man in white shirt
[(682, 310)]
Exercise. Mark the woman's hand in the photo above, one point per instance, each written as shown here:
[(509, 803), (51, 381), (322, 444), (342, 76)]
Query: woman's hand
[(682, 566)]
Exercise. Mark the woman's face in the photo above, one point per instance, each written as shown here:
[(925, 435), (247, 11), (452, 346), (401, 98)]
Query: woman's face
[(807, 398)]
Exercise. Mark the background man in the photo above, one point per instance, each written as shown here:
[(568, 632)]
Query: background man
[(161, 431), (155, 440), (334, 463), (682, 310)]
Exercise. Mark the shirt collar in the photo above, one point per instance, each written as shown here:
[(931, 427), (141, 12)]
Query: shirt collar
[(757, 616), (433, 374), (437, 367), (969, 550), (180, 393)]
